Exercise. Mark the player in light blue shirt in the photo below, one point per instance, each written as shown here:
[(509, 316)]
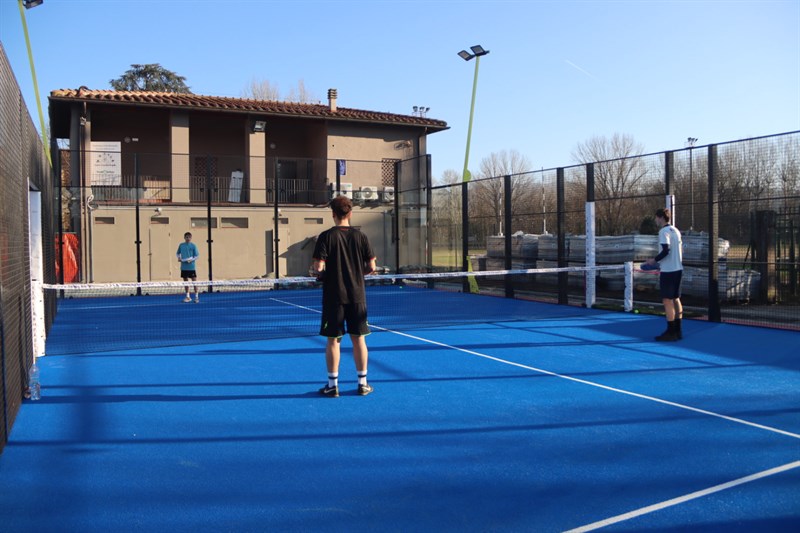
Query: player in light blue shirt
[(187, 253)]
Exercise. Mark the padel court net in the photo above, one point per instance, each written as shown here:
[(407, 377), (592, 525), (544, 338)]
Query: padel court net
[(102, 317)]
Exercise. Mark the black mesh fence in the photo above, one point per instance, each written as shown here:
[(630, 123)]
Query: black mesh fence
[(24, 173), (758, 184), (736, 203)]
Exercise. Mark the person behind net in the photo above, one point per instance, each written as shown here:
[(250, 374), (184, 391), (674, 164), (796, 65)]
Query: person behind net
[(187, 253), (342, 257), (670, 260)]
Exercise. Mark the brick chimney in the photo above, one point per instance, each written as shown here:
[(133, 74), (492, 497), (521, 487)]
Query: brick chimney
[(332, 100)]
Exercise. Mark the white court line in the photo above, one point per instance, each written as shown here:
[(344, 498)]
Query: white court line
[(685, 498), (570, 378), (649, 508), (598, 385), (657, 506)]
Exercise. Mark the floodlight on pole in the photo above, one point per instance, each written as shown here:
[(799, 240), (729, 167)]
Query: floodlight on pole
[(690, 141), (29, 4), (471, 285), (477, 52)]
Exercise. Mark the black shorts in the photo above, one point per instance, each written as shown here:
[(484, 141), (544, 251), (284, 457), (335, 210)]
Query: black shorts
[(670, 284), (188, 274), (335, 316)]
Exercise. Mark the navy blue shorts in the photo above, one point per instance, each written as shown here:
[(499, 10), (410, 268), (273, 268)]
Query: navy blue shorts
[(188, 274), (670, 284), (335, 316)]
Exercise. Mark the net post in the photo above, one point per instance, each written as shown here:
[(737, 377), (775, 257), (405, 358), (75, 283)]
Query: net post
[(628, 286), (38, 318)]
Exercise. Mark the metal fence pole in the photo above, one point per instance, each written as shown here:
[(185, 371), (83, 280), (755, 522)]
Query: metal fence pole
[(138, 241), (276, 214), (714, 314), (210, 241), (465, 231), (507, 223), (561, 229), (428, 209), (398, 168)]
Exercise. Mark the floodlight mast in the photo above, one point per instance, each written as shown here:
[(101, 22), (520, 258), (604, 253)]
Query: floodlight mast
[(29, 4), (477, 52)]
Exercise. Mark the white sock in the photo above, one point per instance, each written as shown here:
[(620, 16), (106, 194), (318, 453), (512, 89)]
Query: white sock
[(362, 377), (333, 379)]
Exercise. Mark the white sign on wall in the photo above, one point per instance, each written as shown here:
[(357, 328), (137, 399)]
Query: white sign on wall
[(106, 161)]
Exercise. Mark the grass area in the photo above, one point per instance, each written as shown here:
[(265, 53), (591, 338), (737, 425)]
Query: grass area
[(443, 257)]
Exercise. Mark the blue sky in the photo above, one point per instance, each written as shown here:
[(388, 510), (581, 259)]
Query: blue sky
[(558, 72)]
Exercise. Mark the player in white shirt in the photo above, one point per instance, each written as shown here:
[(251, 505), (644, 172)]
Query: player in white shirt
[(670, 261)]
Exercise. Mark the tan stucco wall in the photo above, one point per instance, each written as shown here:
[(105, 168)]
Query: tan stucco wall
[(179, 148), (238, 253)]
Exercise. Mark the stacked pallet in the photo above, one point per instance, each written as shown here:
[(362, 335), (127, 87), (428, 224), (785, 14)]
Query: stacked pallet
[(532, 251)]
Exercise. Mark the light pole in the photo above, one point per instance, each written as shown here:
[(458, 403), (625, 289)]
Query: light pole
[(28, 4), (690, 141), (477, 52)]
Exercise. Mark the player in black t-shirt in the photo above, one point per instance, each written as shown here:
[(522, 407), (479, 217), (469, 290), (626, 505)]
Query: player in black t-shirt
[(342, 257)]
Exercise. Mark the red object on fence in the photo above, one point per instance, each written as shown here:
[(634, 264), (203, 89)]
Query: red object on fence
[(69, 244)]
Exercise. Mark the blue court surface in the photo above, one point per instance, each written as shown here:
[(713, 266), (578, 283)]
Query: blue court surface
[(576, 420)]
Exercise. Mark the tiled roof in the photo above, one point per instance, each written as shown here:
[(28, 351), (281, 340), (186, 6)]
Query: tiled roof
[(240, 105)]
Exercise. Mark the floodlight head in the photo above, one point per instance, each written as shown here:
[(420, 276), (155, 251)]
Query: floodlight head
[(415, 109), (259, 126), (466, 56), (478, 50), (29, 4)]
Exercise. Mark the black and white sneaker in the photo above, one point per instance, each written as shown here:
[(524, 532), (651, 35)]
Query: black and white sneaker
[(363, 390), (330, 392)]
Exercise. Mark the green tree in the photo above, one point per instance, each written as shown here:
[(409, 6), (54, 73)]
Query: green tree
[(151, 77), (648, 226)]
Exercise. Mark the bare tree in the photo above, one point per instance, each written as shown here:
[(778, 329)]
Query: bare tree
[(301, 95), (265, 90), (753, 176), (618, 173), (449, 177), (789, 169), (261, 90), (487, 197), (446, 219)]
